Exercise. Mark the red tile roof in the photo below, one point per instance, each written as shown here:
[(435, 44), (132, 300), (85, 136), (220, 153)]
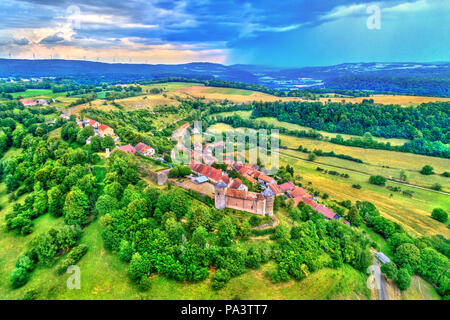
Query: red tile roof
[(275, 188), (287, 186), (328, 213), (264, 177), (208, 171), (103, 127), (128, 149), (141, 147), (298, 192), (236, 183)]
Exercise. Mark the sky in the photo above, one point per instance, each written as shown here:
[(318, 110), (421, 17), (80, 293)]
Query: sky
[(278, 33)]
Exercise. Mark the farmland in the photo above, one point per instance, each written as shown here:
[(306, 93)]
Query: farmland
[(413, 213), (246, 96)]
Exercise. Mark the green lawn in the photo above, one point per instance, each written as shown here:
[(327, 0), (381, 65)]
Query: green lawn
[(32, 93)]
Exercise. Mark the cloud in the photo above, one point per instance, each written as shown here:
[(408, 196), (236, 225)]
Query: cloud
[(189, 26), (53, 39), (21, 42)]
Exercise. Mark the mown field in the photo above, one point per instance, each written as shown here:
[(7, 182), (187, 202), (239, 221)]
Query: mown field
[(413, 213), (293, 126), (37, 93), (244, 96), (402, 100)]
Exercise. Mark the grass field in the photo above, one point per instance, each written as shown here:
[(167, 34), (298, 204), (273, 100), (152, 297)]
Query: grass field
[(37, 93), (413, 213), (244, 96), (375, 162), (292, 126)]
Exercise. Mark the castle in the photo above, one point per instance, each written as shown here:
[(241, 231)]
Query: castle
[(257, 203)]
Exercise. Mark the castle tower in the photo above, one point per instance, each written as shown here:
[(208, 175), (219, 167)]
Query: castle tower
[(270, 198), (220, 199)]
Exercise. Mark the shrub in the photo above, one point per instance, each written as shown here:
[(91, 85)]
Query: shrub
[(377, 180), (440, 215), (403, 279), (220, 279), (427, 170), (19, 277)]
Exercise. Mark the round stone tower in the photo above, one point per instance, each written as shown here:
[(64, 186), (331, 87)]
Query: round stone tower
[(220, 199), (270, 198)]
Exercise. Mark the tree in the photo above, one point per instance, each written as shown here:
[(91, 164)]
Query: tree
[(138, 267), (200, 237), (106, 203), (403, 279), (227, 231), (407, 255), (390, 270), (427, 170), (312, 156), (76, 207), (200, 217), (353, 216), (125, 251), (96, 144), (108, 143), (403, 175), (377, 180), (440, 215), (19, 277)]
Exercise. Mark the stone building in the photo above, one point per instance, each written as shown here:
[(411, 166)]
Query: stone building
[(243, 200)]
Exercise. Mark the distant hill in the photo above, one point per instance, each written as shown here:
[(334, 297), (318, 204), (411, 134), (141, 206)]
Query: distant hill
[(408, 77)]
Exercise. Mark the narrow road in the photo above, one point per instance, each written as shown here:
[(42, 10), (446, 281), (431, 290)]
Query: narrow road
[(364, 174), (379, 280)]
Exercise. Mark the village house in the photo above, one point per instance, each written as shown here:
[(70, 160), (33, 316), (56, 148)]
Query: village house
[(90, 122), (128, 149), (275, 188), (238, 185), (299, 194), (213, 174), (144, 149), (30, 102), (105, 130)]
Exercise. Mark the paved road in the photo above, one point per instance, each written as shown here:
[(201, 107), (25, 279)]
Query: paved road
[(364, 174), (380, 281)]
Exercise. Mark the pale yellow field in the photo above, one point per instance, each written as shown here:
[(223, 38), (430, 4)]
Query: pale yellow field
[(233, 95), (388, 99), (246, 96)]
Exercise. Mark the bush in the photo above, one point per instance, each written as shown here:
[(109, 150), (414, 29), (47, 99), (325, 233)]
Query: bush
[(144, 283), (72, 258), (377, 180), (19, 277), (436, 187), (427, 170), (390, 270), (220, 279), (356, 186), (403, 279), (440, 215)]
